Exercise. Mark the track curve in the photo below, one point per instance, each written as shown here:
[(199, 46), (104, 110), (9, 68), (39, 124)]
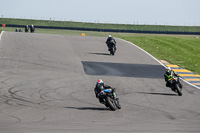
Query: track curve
[(47, 82)]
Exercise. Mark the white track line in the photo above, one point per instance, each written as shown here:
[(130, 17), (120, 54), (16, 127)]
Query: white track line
[(157, 61), (1, 34)]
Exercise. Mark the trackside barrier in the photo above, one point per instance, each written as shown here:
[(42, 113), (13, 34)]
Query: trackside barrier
[(111, 30)]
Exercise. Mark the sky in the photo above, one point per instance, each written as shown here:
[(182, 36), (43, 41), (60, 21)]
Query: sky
[(150, 12)]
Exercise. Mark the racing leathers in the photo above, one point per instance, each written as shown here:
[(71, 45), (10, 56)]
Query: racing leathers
[(169, 75), (102, 86)]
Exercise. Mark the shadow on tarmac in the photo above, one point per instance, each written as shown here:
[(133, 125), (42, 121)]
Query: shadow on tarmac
[(165, 94), (100, 53), (88, 108)]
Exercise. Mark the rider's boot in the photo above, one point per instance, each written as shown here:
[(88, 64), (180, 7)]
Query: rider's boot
[(168, 84), (101, 101)]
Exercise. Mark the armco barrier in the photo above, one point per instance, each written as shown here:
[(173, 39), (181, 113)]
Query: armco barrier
[(110, 30)]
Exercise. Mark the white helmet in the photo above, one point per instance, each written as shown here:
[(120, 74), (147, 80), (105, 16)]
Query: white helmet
[(168, 69), (109, 36)]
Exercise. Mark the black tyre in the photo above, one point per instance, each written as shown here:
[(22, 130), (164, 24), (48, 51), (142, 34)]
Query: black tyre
[(110, 103), (178, 90), (112, 51)]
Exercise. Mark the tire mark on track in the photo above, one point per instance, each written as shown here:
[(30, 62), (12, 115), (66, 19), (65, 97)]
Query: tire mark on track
[(34, 63), (151, 110)]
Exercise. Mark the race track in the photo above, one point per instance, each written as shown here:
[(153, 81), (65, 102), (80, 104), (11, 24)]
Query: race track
[(47, 82)]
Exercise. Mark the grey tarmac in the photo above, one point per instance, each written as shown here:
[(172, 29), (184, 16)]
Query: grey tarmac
[(47, 86)]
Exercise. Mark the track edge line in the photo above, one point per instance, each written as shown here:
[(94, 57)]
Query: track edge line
[(1, 34)]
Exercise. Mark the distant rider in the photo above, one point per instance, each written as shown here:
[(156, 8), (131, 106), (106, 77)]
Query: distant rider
[(32, 28), (102, 86), (26, 28), (111, 41), (169, 75)]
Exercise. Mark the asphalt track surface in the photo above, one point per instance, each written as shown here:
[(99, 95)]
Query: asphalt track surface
[(47, 82)]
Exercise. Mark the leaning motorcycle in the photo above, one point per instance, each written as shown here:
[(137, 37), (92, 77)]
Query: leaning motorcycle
[(176, 86), (109, 100)]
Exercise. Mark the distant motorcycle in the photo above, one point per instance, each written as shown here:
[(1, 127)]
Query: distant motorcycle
[(32, 28), (26, 28), (176, 86), (109, 100), (18, 30)]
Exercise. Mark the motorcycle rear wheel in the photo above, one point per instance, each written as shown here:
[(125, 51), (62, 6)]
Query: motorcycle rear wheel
[(112, 51)]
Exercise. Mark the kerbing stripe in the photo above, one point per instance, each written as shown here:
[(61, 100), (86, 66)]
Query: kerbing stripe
[(197, 79), (181, 70), (173, 66), (188, 75), (185, 73)]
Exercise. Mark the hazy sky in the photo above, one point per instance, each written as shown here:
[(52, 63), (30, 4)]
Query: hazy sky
[(160, 12)]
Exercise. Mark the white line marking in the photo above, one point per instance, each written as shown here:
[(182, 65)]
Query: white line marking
[(1, 34), (158, 61)]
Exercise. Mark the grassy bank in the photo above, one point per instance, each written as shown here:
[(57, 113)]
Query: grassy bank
[(99, 25), (180, 50)]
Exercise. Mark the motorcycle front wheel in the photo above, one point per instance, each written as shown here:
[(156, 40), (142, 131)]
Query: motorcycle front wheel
[(178, 90), (110, 103)]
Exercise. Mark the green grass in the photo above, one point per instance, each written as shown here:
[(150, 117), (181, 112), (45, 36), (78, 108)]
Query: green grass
[(99, 25), (180, 50)]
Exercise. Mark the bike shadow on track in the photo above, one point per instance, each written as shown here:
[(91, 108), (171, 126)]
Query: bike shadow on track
[(100, 53), (88, 108), (150, 93)]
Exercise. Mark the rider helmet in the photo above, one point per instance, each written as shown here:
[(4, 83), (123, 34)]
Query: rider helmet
[(100, 81), (109, 36), (169, 69)]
